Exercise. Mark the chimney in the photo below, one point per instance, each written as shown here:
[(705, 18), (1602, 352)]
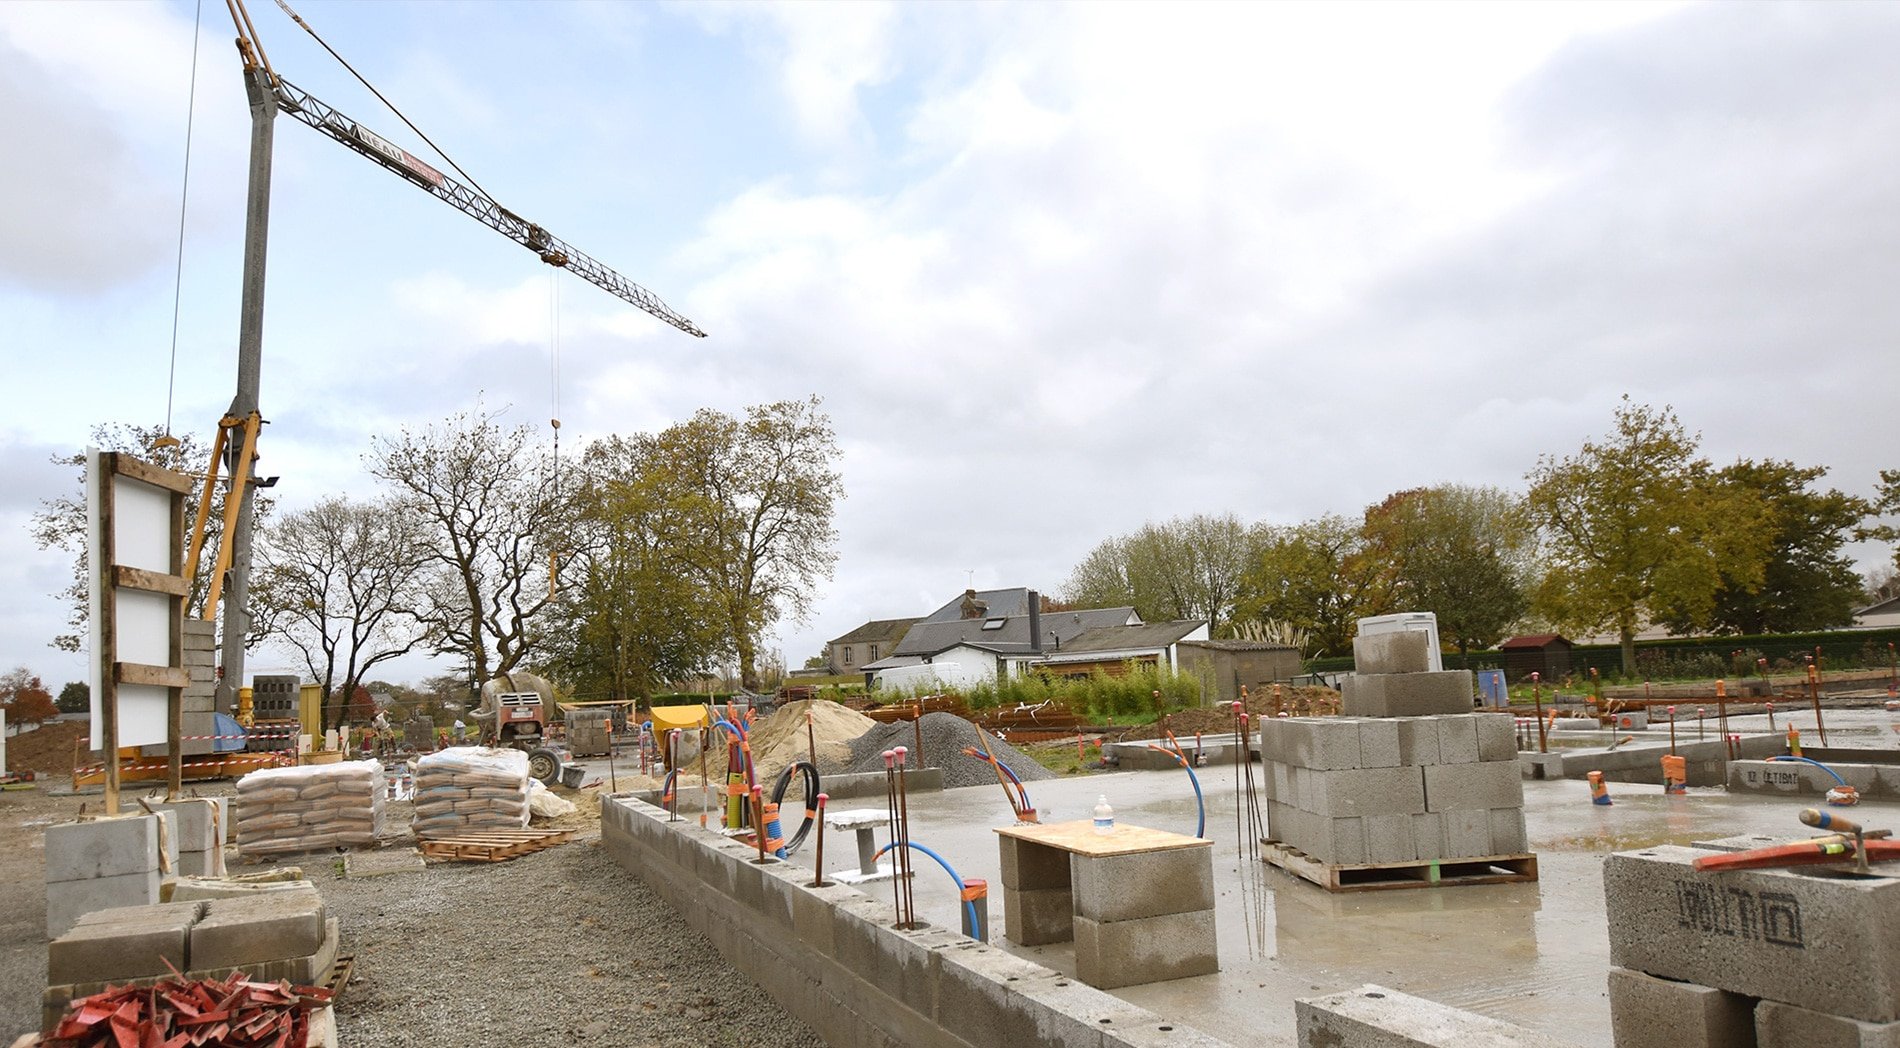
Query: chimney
[(1035, 621), (973, 608)]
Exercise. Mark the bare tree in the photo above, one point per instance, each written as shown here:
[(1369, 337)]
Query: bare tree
[(340, 583), (487, 496)]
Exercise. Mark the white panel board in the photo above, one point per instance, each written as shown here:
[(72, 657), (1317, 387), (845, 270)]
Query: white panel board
[(142, 537)]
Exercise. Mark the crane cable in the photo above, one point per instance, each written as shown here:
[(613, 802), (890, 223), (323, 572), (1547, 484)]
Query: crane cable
[(184, 197), (295, 17)]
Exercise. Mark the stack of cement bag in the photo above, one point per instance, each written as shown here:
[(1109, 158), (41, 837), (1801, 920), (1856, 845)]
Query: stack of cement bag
[(465, 788), (309, 808)]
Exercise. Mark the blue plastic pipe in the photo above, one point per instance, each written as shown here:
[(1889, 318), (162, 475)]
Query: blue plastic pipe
[(968, 906), (1805, 760), (1200, 802)]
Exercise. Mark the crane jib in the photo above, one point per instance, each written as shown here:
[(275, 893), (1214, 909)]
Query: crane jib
[(552, 249)]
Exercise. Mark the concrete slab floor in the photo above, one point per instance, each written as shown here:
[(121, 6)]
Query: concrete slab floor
[(1532, 954)]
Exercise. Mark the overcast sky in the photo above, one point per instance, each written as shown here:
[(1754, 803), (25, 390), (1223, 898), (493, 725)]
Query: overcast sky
[(1054, 269)]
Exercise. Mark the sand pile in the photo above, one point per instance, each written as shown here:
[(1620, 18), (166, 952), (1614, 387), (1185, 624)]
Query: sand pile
[(945, 736), (780, 739)]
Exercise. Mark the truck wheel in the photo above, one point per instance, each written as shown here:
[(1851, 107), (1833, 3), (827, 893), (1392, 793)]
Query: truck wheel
[(545, 765)]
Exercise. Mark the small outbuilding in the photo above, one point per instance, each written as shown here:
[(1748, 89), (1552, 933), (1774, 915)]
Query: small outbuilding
[(1547, 654)]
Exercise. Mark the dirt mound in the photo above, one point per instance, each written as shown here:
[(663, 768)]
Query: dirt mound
[(944, 737), (1219, 719), (780, 739), (48, 749)]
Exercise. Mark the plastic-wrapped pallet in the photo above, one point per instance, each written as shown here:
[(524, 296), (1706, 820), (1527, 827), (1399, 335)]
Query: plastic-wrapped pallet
[(309, 808), (470, 788)]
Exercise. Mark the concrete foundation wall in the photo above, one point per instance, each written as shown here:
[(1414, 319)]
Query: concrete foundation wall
[(1796, 779), (832, 957), (1376, 1017), (1641, 761)]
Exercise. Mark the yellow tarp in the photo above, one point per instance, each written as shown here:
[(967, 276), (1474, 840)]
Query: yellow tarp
[(681, 717)]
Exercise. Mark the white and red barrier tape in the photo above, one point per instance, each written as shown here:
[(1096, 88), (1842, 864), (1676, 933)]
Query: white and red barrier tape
[(143, 765)]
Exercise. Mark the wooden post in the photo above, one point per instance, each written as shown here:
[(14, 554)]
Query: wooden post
[(107, 656), (175, 696)]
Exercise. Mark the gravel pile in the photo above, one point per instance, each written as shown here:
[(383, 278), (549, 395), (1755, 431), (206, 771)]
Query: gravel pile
[(945, 736)]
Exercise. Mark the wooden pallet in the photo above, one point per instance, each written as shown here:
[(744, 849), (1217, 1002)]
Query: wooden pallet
[(492, 845), (339, 976), (1386, 876)]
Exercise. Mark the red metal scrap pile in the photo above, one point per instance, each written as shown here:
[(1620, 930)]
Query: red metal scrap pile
[(233, 1012)]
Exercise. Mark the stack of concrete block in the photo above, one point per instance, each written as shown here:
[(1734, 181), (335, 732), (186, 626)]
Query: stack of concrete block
[(1793, 958), (1409, 774), (471, 788), (269, 936), (199, 717), (105, 863), (309, 808), (203, 826), (1355, 790)]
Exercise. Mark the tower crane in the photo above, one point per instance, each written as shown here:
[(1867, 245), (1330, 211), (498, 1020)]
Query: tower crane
[(236, 440)]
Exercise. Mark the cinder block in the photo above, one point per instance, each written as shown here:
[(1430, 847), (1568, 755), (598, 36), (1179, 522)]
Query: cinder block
[(1647, 1012), (1379, 742), (1508, 835), (1322, 743), (1368, 791), (1820, 939), (1457, 739), (1406, 652), (1027, 865), (107, 847), (1345, 840), (199, 827), (1463, 787), (1148, 884), (67, 901), (1467, 834), (1497, 736), (1373, 1016), (1109, 954), (1389, 838), (1418, 741), (1780, 1025), (140, 943), (268, 927), (1428, 835), (1406, 694), (1034, 916)]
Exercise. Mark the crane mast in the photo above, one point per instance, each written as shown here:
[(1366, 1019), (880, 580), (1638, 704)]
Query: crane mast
[(238, 430)]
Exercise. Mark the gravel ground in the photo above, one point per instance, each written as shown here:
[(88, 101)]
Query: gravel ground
[(945, 736), (557, 948)]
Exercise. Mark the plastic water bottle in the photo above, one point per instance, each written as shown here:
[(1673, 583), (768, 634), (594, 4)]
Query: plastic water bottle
[(1104, 816)]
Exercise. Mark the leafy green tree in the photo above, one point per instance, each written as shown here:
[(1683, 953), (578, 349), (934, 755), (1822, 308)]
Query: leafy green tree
[(1459, 552), (1321, 576), (1806, 582), (488, 498), (1185, 568), (755, 498), (75, 697), (633, 613), (1886, 502), (1637, 529)]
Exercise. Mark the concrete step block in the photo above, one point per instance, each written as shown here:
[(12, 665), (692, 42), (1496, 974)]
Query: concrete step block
[(1026, 865), (1508, 834), (267, 927), (68, 901), (1407, 694), (1389, 838), (1379, 742), (1373, 1016), (1110, 954), (100, 951), (1457, 739), (1818, 938), (1780, 1025), (1464, 787), (1150, 884), (1467, 834), (1497, 736), (1034, 916), (1368, 791), (1406, 652), (1418, 741), (1648, 1012), (112, 847)]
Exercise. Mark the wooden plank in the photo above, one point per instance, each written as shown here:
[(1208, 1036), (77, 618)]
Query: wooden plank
[(126, 466), (157, 676), (149, 581), (1080, 837)]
